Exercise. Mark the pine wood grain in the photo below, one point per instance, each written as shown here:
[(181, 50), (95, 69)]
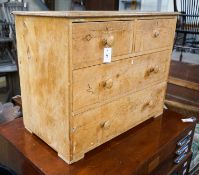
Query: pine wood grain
[(101, 124), (64, 81), (44, 79), (184, 83), (92, 14), (128, 75), (154, 33), (88, 39)]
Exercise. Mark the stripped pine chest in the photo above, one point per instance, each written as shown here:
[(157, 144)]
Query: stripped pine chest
[(87, 77)]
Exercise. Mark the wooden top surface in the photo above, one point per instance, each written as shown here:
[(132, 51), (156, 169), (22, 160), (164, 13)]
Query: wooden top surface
[(92, 14), (122, 155)]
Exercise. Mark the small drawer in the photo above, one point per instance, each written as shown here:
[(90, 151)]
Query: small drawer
[(98, 83), (101, 124), (183, 149), (89, 40), (186, 164), (184, 141), (183, 166), (180, 158), (153, 34), (184, 171)]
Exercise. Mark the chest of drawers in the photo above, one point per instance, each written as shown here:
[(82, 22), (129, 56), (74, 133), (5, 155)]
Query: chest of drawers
[(71, 98)]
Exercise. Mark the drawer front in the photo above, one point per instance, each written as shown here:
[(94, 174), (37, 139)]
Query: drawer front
[(101, 124), (154, 34), (97, 83), (183, 168), (90, 39)]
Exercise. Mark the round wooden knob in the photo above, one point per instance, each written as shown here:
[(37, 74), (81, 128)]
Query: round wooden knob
[(147, 104), (156, 33), (150, 103), (156, 69), (108, 41), (152, 70), (108, 83), (106, 124)]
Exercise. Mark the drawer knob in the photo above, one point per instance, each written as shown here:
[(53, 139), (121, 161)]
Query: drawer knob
[(156, 33), (108, 83), (106, 124), (147, 104), (156, 69), (108, 41), (150, 103), (151, 70)]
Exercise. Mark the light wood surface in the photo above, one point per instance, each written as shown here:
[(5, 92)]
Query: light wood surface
[(43, 63), (133, 74), (182, 106), (71, 99), (153, 34), (91, 38), (101, 124), (184, 83), (92, 14)]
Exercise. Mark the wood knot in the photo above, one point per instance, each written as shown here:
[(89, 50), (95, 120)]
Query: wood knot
[(88, 37)]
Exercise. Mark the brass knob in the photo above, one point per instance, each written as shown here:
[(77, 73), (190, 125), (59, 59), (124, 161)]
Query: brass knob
[(108, 41), (108, 83), (106, 124), (156, 33)]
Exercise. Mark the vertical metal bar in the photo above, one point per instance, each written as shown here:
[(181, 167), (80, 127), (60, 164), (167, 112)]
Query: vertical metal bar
[(189, 13), (197, 18), (182, 10), (175, 6), (194, 13), (186, 11), (159, 5)]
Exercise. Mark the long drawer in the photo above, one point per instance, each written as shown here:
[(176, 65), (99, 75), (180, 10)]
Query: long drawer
[(89, 40), (154, 34), (100, 124), (97, 83)]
